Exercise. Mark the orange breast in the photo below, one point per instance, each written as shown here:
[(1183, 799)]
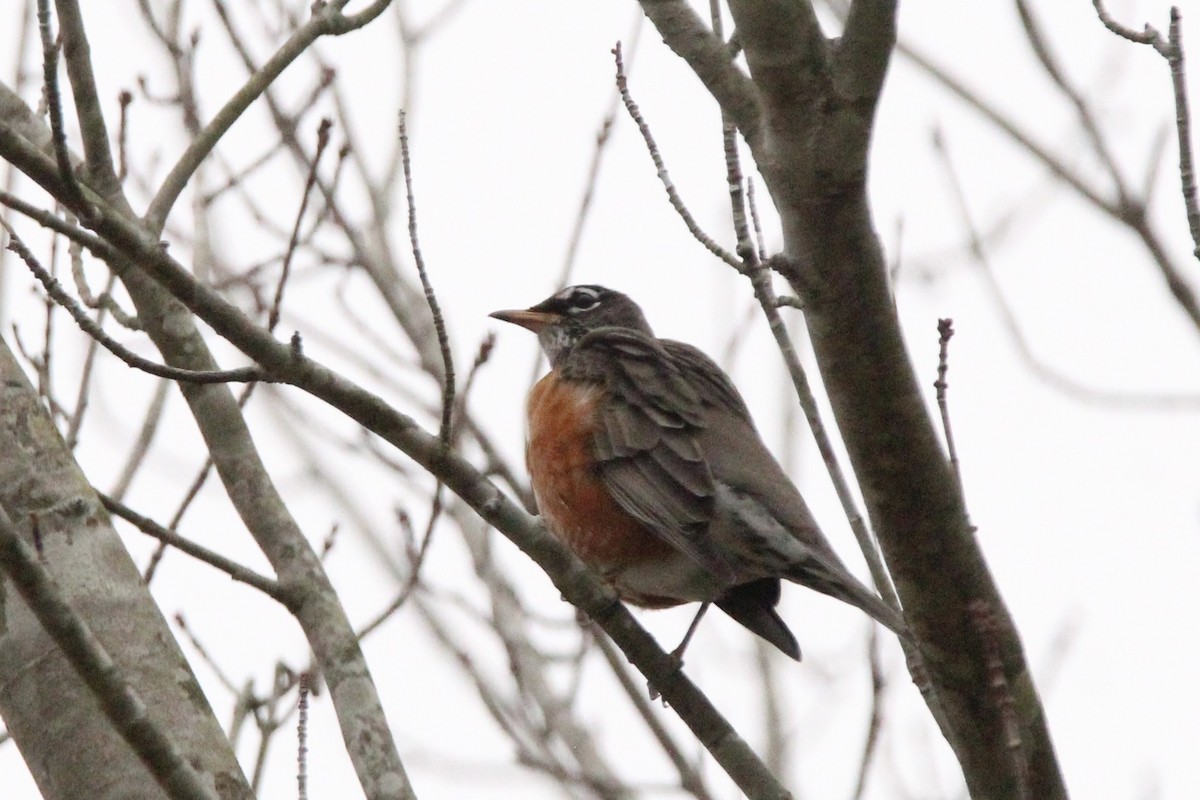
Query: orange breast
[(571, 497)]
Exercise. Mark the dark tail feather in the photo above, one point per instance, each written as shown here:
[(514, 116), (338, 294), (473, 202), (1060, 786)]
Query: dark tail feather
[(753, 605), (843, 586)]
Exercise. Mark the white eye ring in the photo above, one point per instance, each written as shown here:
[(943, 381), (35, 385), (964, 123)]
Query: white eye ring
[(582, 299), (585, 303)]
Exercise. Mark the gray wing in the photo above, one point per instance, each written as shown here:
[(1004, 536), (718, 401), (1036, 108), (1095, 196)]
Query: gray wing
[(740, 461), (646, 440), (716, 390), (737, 456)]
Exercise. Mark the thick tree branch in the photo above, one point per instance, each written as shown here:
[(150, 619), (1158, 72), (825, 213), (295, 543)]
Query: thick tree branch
[(120, 702), (73, 748), (864, 52)]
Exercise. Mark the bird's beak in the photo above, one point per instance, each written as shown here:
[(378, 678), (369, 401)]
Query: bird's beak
[(527, 318)]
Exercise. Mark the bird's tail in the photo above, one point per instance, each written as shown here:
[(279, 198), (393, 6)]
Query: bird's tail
[(753, 605), (840, 584)]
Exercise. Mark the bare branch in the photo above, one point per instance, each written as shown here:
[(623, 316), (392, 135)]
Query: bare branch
[(1044, 372), (302, 740), (864, 51), (690, 779), (285, 270), (875, 720), (327, 19), (1130, 214), (672, 193), (89, 326), (439, 324), (764, 292), (945, 331), (1148, 35), (242, 574), (1183, 128), (369, 742), (577, 583), (100, 173), (54, 105)]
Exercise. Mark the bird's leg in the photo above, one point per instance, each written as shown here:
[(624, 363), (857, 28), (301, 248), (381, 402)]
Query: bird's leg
[(677, 653)]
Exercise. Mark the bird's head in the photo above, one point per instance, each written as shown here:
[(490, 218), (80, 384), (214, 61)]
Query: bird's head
[(562, 319)]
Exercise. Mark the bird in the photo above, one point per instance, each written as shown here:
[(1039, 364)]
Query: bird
[(645, 462)]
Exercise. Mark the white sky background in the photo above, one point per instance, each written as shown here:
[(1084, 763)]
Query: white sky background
[(1089, 515)]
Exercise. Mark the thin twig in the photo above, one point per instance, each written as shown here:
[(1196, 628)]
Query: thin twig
[(1087, 120), (789, 301), (285, 270), (53, 96), (105, 299), (93, 129), (439, 323), (326, 19), (85, 381), (751, 201), (1132, 217), (665, 177), (47, 219), (1183, 129), (268, 586), (192, 493), (302, 740), (583, 213), (416, 557), (486, 347), (271, 723), (125, 98), (91, 328), (1044, 372), (1148, 36), (26, 35), (764, 292), (945, 328), (44, 371), (875, 721), (445, 430), (774, 709), (202, 651), (144, 439)]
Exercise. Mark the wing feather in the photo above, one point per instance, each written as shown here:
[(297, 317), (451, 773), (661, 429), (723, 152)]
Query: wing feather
[(646, 439)]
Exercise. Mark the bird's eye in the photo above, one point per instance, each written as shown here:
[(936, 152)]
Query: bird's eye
[(583, 300)]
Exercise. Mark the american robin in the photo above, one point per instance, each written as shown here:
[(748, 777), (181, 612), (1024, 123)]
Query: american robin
[(645, 462)]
